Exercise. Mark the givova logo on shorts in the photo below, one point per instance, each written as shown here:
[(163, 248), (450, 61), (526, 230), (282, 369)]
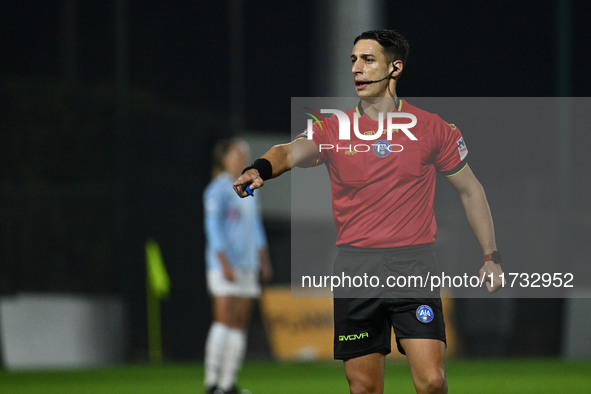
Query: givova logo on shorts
[(353, 337), (425, 314)]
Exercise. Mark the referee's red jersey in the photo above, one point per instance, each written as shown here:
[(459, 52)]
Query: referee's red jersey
[(383, 190)]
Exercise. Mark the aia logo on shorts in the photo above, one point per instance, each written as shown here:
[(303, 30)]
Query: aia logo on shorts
[(424, 314)]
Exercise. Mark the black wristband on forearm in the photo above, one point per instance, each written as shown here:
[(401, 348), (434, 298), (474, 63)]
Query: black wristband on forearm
[(263, 166)]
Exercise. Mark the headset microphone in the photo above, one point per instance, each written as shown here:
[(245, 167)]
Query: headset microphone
[(378, 80), (386, 77)]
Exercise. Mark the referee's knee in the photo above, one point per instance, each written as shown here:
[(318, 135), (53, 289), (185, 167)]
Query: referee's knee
[(364, 385), (434, 383)]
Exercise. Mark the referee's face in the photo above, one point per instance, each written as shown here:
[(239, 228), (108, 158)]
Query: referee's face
[(369, 63)]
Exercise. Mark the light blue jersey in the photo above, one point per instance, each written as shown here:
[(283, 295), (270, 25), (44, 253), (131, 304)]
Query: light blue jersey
[(232, 225)]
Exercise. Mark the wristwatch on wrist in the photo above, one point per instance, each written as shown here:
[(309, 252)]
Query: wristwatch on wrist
[(494, 257)]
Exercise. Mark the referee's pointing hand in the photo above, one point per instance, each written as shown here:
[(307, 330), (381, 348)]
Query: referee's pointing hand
[(250, 177)]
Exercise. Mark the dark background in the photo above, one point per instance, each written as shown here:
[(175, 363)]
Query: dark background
[(106, 128)]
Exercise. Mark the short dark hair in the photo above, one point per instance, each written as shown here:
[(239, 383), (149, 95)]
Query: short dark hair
[(394, 44)]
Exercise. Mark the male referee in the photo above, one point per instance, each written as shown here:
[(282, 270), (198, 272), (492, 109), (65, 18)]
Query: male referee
[(383, 211)]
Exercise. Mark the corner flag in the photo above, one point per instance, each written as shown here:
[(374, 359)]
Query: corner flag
[(157, 287), (158, 280)]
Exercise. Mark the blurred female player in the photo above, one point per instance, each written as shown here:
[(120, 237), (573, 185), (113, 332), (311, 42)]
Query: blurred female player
[(236, 257)]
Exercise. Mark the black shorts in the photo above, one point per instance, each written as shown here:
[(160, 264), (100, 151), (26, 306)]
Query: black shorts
[(364, 325)]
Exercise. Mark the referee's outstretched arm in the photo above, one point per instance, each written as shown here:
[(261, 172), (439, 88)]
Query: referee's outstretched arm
[(479, 217), (277, 160)]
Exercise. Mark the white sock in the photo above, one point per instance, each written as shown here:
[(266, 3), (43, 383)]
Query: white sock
[(215, 348), (233, 357)]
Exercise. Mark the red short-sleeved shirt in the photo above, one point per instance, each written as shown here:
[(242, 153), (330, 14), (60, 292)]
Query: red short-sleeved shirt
[(382, 191)]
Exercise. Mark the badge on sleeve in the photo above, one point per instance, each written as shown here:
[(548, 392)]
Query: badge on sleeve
[(462, 148)]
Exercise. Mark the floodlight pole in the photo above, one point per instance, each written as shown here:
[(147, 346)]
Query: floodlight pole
[(237, 86), (564, 157)]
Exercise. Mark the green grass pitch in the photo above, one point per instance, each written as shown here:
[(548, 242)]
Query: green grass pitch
[(464, 376)]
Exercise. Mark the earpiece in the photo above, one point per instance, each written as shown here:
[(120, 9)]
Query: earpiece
[(395, 68)]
